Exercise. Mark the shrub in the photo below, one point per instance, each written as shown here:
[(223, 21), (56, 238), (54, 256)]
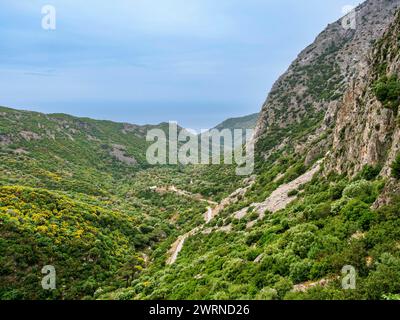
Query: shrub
[(360, 212), (384, 280), (362, 189), (321, 211), (396, 167), (267, 294), (370, 172), (336, 191), (283, 286), (300, 271), (387, 91)]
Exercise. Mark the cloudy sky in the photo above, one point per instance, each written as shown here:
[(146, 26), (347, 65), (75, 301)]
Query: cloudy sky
[(146, 61)]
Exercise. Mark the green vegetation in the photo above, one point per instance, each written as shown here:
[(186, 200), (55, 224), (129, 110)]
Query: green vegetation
[(396, 167), (329, 226), (78, 194), (87, 244), (68, 203), (246, 122), (370, 172), (387, 91), (65, 200)]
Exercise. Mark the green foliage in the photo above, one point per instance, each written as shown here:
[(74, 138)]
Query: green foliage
[(396, 167), (69, 203), (300, 271), (387, 91), (361, 189), (370, 172), (358, 211), (86, 244), (385, 278)]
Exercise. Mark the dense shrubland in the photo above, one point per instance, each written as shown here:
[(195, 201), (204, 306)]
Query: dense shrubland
[(331, 225)]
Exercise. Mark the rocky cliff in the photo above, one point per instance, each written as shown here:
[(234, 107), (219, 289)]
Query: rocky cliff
[(366, 129), (301, 111)]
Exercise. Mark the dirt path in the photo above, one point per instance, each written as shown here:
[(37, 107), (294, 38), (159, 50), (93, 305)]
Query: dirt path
[(175, 249), (208, 215), (183, 193), (177, 246), (278, 200)]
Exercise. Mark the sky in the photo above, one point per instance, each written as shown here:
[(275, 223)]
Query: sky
[(197, 62)]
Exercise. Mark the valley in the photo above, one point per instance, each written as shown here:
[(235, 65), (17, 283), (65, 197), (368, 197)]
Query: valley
[(79, 194)]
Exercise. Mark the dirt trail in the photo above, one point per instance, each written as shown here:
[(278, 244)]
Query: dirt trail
[(278, 200), (177, 246), (184, 193), (208, 215)]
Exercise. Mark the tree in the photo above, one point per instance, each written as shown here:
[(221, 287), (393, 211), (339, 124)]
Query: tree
[(396, 167), (387, 91), (132, 268)]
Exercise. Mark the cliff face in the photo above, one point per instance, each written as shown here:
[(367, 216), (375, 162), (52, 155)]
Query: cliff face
[(366, 130), (301, 110), (367, 126)]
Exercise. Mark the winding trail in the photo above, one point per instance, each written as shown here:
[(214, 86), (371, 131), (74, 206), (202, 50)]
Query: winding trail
[(177, 246), (211, 213), (278, 200), (208, 215), (174, 189)]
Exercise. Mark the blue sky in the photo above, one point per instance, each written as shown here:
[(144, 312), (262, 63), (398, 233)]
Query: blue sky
[(146, 61)]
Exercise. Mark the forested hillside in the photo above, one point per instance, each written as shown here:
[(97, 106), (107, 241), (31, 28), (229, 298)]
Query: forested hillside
[(315, 206), (78, 193)]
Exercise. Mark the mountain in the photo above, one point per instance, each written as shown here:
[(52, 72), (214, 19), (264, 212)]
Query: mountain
[(325, 198), (245, 122), (322, 204), (302, 103), (76, 193)]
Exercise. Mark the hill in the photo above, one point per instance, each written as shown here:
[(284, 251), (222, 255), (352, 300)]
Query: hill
[(324, 199)]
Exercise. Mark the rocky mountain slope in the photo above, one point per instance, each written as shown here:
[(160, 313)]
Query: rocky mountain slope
[(300, 109), (245, 122), (366, 130), (325, 193), (76, 193)]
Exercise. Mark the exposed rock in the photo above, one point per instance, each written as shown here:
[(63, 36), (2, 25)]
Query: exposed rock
[(119, 152), (20, 151), (304, 287), (29, 135), (279, 199), (317, 80), (365, 131), (5, 140)]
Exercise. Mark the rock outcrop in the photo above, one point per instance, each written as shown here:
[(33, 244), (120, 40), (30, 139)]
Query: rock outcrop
[(303, 103)]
